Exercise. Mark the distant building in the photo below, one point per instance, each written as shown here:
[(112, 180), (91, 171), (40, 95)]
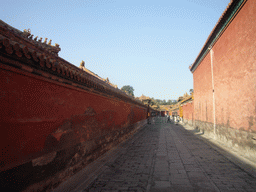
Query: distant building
[(184, 108), (224, 75), (143, 97)]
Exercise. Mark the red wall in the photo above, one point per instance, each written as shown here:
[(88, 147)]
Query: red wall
[(36, 113), (234, 75), (203, 91), (188, 110)]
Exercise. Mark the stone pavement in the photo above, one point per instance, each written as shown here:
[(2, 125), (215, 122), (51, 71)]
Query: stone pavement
[(163, 157)]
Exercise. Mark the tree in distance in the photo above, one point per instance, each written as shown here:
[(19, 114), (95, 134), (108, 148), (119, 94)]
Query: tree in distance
[(128, 89)]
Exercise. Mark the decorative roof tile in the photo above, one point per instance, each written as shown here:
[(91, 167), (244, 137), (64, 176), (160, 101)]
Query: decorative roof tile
[(42, 59)]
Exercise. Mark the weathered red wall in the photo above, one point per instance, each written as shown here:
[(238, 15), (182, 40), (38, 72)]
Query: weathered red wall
[(234, 75), (33, 108), (55, 118), (45, 123)]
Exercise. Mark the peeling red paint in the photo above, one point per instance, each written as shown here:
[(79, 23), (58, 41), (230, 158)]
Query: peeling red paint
[(32, 104)]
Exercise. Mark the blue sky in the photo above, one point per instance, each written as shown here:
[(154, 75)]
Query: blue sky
[(148, 44)]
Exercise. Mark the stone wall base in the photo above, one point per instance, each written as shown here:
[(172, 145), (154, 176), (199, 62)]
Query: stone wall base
[(47, 172), (187, 122), (242, 141)]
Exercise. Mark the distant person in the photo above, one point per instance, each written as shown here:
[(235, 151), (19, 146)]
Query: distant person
[(148, 118), (176, 120)]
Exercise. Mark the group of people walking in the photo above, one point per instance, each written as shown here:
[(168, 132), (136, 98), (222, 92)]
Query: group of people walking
[(175, 119), (167, 118)]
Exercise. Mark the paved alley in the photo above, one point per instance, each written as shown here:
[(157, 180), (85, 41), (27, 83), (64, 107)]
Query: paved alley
[(163, 157)]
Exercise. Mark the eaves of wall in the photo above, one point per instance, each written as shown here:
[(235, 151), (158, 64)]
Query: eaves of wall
[(23, 53), (228, 15)]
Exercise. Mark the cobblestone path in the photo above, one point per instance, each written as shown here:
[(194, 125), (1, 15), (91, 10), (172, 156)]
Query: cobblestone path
[(166, 157)]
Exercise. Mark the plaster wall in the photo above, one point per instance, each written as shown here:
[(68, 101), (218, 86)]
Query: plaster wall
[(51, 130), (188, 111), (203, 98), (234, 78), (234, 71)]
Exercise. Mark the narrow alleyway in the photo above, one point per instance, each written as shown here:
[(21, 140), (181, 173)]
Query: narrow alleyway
[(162, 157)]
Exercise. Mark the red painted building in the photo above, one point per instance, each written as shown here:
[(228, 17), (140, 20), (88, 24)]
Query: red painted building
[(224, 75)]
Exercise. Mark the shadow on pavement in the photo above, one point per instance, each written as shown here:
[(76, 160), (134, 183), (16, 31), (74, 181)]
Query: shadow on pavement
[(243, 162)]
